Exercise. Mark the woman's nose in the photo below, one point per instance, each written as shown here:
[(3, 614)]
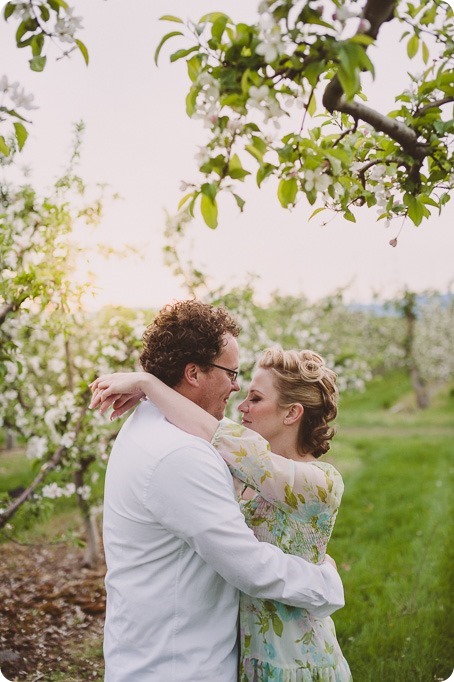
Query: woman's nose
[(242, 407)]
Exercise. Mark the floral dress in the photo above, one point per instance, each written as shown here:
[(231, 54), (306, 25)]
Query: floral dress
[(295, 508)]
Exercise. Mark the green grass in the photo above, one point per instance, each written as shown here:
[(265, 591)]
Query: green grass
[(392, 540)]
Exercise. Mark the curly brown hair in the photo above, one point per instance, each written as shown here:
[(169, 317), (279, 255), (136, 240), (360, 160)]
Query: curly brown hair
[(302, 377), (183, 332)]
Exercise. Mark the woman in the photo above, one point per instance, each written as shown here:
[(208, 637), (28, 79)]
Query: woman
[(291, 498)]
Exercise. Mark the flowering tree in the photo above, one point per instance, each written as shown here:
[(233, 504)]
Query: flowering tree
[(248, 80), (50, 349), (40, 23), (426, 340)]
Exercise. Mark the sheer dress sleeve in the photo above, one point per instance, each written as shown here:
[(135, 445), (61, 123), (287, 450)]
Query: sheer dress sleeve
[(288, 484)]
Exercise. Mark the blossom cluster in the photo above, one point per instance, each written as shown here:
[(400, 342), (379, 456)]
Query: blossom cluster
[(13, 96)]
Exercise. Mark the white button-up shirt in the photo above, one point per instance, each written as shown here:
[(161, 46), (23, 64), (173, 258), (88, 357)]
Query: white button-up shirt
[(178, 551)]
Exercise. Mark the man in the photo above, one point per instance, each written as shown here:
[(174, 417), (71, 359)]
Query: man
[(177, 548)]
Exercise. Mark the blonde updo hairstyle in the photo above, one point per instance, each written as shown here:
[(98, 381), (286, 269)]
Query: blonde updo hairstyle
[(302, 377)]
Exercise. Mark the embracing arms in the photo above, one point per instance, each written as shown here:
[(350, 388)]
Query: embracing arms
[(278, 479), (123, 390)]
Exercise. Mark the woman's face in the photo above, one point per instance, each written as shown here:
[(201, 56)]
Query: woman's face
[(260, 410)]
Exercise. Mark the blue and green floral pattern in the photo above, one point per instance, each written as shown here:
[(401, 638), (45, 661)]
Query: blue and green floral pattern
[(295, 508)]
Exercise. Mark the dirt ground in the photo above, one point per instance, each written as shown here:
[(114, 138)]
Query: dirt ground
[(51, 614)]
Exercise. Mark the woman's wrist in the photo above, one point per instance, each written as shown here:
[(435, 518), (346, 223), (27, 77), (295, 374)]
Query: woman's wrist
[(146, 383)]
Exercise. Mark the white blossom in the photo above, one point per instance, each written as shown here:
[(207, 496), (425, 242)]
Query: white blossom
[(84, 491), (202, 156), (316, 179), (258, 95), (22, 100), (67, 439), (52, 491), (271, 47), (344, 13), (36, 447)]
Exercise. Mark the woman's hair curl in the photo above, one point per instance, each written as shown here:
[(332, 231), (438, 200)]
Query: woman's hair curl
[(303, 377)]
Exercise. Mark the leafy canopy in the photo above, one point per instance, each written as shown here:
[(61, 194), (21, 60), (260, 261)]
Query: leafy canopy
[(301, 66)]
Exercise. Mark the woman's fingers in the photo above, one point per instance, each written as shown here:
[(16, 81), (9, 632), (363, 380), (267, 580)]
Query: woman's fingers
[(106, 402), (120, 407)]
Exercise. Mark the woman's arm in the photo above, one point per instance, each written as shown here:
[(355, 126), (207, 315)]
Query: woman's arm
[(122, 390)]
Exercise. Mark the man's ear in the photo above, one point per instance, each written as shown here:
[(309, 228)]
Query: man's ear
[(294, 413), (191, 374)]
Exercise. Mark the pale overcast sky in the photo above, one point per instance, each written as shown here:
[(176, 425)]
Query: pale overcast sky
[(140, 141)]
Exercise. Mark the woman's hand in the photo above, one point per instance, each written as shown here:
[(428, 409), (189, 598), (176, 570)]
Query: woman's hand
[(121, 390)]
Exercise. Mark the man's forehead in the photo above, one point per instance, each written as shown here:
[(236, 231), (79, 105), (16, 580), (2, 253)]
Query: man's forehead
[(230, 348)]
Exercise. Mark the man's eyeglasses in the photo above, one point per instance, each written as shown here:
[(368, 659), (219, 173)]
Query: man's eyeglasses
[(231, 373)]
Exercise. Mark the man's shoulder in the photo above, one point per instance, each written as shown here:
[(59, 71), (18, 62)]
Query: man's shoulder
[(149, 429)]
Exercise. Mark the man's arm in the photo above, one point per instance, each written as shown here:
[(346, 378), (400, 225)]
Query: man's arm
[(190, 493)]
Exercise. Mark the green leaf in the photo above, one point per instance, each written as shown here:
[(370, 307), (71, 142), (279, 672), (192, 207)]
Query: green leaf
[(184, 199), (37, 43), (416, 210), (218, 27), (313, 70), (428, 200), (287, 191), (290, 498), (412, 46), (56, 4), (239, 201), (164, 39), (254, 152), (194, 65), (349, 81), (37, 63), (28, 25), (13, 112), (209, 211), (317, 210), (209, 189), (179, 54), (21, 134), (312, 105), (265, 170), (83, 49), (44, 12), (212, 17), (348, 215), (191, 99), (278, 625), (322, 493), (9, 9), (170, 17), (4, 149), (425, 53), (236, 170)]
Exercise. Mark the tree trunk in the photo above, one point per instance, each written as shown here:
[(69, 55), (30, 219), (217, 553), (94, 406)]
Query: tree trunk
[(408, 309), (419, 387), (9, 444), (92, 549)]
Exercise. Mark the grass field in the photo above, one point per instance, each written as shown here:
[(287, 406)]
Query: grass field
[(392, 540), (393, 537)]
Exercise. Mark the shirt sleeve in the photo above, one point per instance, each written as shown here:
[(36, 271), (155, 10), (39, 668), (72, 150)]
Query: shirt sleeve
[(191, 494), (285, 483)]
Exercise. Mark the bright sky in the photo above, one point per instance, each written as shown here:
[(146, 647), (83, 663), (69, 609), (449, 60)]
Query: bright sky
[(140, 141)]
